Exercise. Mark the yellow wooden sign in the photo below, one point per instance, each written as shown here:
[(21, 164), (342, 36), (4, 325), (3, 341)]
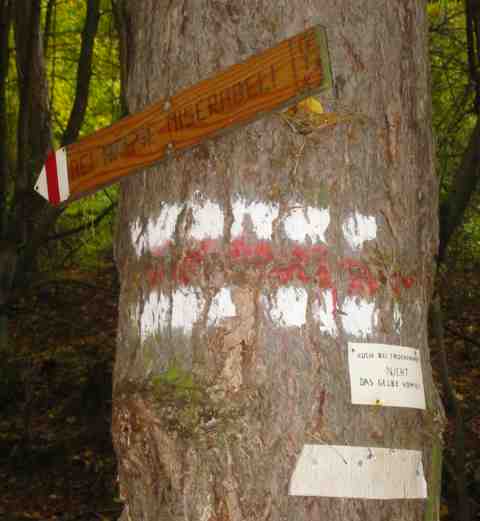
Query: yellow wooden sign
[(280, 77)]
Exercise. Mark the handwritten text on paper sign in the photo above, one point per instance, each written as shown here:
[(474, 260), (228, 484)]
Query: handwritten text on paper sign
[(387, 375), (280, 77)]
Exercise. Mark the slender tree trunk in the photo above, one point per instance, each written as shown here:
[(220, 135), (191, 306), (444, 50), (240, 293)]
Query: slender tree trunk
[(5, 23), (465, 183), (33, 127), (250, 265)]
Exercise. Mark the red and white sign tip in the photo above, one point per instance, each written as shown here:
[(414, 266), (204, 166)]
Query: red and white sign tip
[(52, 183)]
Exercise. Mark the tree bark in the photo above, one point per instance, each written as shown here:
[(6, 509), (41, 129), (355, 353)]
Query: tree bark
[(33, 127), (249, 265)]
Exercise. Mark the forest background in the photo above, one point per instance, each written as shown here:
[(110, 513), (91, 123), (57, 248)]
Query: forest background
[(60, 79)]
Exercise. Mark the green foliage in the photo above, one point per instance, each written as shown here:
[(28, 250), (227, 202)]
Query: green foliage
[(92, 247), (453, 110), (454, 113), (184, 406), (62, 28), (175, 383), (452, 93), (89, 247), (464, 250), (62, 53)]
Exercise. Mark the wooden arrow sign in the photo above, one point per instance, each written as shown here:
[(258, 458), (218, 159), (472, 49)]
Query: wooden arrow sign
[(280, 77)]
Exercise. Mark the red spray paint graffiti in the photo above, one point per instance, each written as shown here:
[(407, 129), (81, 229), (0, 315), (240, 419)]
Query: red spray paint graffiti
[(305, 264)]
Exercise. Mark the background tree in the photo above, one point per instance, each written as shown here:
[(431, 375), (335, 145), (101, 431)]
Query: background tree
[(455, 58), (43, 104), (454, 54), (245, 278)]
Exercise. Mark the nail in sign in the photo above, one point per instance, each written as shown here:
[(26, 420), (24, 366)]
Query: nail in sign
[(278, 78), (387, 375)]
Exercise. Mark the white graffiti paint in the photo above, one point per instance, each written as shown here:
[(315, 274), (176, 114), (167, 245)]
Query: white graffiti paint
[(323, 312), (154, 315), (397, 318), (309, 222), (208, 220), (207, 223), (359, 228), (261, 214), (221, 307), (359, 317), (163, 230), (288, 307), (157, 232), (358, 472), (138, 239), (186, 308), (181, 312)]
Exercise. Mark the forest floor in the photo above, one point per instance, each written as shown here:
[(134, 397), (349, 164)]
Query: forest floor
[(56, 456)]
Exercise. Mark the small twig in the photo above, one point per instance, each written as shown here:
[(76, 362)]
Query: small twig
[(299, 156)]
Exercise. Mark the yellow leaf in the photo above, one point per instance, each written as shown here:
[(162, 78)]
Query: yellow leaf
[(434, 10), (311, 105)]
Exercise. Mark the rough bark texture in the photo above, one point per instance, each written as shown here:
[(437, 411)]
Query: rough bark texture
[(212, 404), (33, 129)]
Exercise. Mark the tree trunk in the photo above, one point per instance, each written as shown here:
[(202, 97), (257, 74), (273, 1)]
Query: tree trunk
[(464, 185), (251, 265)]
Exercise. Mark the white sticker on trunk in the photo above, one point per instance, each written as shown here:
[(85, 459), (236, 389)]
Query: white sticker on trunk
[(358, 472), (387, 375)]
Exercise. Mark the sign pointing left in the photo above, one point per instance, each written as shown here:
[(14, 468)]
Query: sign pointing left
[(53, 183), (291, 71)]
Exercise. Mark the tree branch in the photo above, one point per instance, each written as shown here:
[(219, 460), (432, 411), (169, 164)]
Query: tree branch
[(472, 13), (84, 73), (78, 229), (48, 22)]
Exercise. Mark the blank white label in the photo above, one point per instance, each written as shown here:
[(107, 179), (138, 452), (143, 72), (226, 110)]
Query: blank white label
[(358, 472), (387, 375)]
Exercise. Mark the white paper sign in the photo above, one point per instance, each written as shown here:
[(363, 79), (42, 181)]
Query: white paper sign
[(358, 472), (388, 375)]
